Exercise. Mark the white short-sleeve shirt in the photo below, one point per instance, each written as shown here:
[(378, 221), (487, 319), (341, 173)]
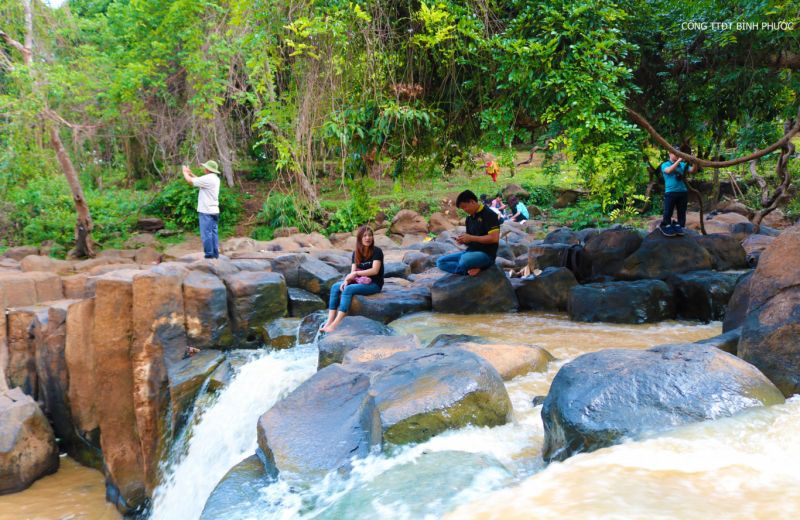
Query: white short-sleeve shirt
[(208, 197)]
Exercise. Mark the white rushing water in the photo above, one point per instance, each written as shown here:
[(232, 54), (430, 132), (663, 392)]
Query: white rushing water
[(732, 466), (226, 431)]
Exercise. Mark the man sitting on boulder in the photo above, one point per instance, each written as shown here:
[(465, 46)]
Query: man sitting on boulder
[(481, 238)]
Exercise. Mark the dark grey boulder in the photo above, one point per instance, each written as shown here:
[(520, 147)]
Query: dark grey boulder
[(449, 340), (562, 235), (186, 377), (542, 256), (726, 342), (586, 233), (372, 348), (321, 425), (28, 448), (282, 332), (237, 491), (736, 311), (606, 251), (702, 295), (394, 300), (352, 332), (303, 303), (251, 264), (255, 298), (726, 251), (317, 277), (660, 256), (489, 291), (548, 291), (641, 301), (419, 262), (421, 393), (396, 270), (309, 326), (435, 247), (287, 265), (344, 410), (601, 398)]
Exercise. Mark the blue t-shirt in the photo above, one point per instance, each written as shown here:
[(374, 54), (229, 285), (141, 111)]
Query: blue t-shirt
[(671, 182), (521, 209)]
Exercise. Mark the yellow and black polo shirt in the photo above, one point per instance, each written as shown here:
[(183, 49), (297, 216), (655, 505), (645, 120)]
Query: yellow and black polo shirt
[(483, 222)]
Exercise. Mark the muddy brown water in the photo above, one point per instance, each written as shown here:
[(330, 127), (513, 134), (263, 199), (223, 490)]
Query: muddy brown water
[(741, 467)]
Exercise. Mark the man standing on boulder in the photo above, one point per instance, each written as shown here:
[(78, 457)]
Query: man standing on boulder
[(207, 205), (481, 238)]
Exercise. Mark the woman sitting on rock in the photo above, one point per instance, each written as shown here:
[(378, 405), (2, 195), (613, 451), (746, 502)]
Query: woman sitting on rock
[(366, 277), (520, 212)]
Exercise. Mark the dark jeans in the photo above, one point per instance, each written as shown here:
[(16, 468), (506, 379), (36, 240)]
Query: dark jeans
[(460, 263), (209, 234), (675, 200), (342, 298)]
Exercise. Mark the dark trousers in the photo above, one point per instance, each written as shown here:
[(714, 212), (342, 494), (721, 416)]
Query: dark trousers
[(209, 234), (672, 201)]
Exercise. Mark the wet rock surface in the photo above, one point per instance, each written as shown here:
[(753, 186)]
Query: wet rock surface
[(601, 398)]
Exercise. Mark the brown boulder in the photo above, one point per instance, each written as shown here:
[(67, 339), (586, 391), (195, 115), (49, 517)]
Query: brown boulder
[(510, 360), (87, 265), (82, 392), (776, 219), (27, 444), (408, 222), (149, 224), (439, 222), (776, 270), (206, 309), (18, 289), (285, 232), (111, 337), (45, 263), (77, 286), (147, 256), (159, 337), (754, 245), (20, 252), (25, 326)]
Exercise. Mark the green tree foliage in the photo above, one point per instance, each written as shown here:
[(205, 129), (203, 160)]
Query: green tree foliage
[(358, 89)]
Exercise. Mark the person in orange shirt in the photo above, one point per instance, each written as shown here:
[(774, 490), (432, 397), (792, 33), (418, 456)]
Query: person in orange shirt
[(492, 170)]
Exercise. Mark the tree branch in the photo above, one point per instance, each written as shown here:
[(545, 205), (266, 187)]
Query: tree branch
[(642, 122)]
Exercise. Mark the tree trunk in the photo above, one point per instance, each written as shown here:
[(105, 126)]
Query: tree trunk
[(223, 147), (83, 226)]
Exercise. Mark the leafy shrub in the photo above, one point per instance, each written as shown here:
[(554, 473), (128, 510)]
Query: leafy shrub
[(587, 213), (542, 196), (43, 210), (359, 209), (177, 203)]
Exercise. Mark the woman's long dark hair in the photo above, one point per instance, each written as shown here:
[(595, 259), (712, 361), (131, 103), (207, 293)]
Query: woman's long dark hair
[(363, 252)]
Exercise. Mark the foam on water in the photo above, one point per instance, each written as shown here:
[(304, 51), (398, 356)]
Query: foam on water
[(226, 432)]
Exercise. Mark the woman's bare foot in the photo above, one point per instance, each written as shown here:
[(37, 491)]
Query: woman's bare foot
[(474, 271), (331, 327)]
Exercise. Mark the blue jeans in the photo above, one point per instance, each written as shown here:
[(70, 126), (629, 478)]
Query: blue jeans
[(460, 263), (344, 297), (209, 234)]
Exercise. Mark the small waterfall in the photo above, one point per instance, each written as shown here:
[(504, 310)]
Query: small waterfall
[(226, 431)]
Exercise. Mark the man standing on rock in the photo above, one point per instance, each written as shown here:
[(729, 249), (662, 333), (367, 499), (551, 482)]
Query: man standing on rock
[(481, 238), (207, 205)]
